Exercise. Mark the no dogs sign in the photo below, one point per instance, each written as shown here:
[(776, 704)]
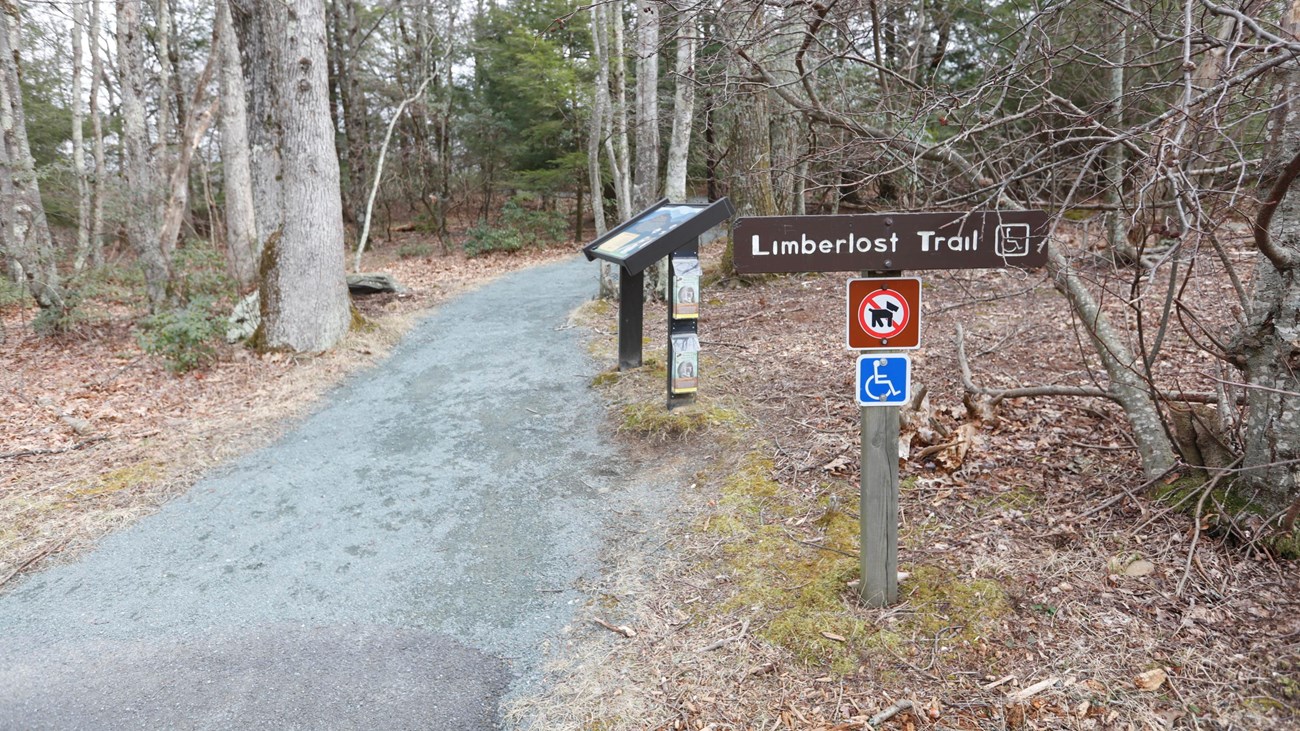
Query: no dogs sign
[(884, 313)]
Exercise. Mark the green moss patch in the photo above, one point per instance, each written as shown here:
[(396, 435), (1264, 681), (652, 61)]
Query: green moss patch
[(653, 419), (1020, 497), (792, 564), (606, 378), (962, 610), (1221, 510), (123, 478), (796, 591)]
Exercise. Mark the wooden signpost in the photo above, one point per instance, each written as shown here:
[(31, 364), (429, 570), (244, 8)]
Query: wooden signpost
[(883, 315), (663, 230)]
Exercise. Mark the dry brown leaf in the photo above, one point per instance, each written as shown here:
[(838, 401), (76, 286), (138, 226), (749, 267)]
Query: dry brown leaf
[(836, 466), (1151, 680)]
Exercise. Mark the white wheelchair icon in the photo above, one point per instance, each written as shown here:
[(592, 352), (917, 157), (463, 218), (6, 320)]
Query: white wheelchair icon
[(879, 387)]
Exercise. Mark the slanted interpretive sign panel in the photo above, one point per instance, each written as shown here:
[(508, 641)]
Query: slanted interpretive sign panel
[(890, 241), (657, 232)]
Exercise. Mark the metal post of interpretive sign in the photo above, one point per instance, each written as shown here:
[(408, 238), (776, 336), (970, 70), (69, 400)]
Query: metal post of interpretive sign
[(884, 314), (663, 230)]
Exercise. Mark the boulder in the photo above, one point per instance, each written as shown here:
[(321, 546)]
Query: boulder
[(245, 318), (373, 283)]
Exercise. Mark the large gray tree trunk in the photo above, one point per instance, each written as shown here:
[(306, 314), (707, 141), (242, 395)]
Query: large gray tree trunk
[(242, 244), (24, 233), (599, 120), (645, 185), (305, 306), (1268, 348), (82, 252), (97, 141), (264, 129), (620, 158), (141, 175), (679, 145), (598, 134)]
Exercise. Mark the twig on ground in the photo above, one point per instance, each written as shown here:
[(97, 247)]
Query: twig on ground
[(744, 630), (818, 545), (52, 548), (620, 629), (1127, 493), (38, 452), (889, 713), (1000, 681), (1026, 693), (767, 313), (1196, 523)]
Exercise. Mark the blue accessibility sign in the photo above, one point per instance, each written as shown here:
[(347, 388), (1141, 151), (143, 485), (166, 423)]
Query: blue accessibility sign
[(884, 380)]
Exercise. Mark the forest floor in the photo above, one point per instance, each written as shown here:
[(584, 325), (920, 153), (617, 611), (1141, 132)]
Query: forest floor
[(1045, 586)]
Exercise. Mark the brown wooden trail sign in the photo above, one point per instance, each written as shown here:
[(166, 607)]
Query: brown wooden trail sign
[(890, 241), (880, 314)]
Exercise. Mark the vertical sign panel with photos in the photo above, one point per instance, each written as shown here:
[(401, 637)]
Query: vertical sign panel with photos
[(686, 287), (683, 325)]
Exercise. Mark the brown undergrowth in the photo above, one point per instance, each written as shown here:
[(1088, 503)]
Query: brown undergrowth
[(1042, 587), (95, 433)]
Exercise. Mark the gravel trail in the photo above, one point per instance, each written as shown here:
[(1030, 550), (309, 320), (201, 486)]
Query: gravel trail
[(396, 561)]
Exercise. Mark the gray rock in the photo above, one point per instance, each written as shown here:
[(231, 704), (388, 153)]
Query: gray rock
[(373, 283), (245, 318)]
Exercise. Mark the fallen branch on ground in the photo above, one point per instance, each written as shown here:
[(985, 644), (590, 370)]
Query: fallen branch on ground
[(889, 713), (1033, 690), (53, 548), (37, 452), (621, 629)]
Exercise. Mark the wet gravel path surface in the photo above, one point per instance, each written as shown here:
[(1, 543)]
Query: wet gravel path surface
[(396, 561)]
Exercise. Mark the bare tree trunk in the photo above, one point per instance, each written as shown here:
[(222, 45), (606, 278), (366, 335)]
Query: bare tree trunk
[(264, 127), (242, 243), (162, 37), (355, 125), (597, 133), (379, 169), (1116, 225), (97, 134), (1268, 348), (1127, 386), (304, 296), (24, 233), (620, 159), (645, 185), (196, 123), (683, 109), (138, 166), (82, 251), (599, 115)]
